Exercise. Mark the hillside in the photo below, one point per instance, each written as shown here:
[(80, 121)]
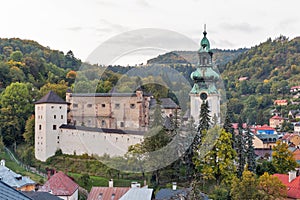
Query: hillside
[(220, 58)]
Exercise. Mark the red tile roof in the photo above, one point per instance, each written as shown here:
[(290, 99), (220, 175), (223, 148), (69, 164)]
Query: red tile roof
[(107, 192), (60, 185), (293, 187), (264, 127), (277, 117)]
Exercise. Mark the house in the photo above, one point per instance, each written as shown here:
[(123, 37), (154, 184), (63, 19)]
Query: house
[(61, 186), (9, 193), (295, 88), (265, 129), (297, 127), (107, 193), (292, 114), (243, 78), (41, 195), (292, 183), (15, 180), (137, 193), (282, 102), (276, 121)]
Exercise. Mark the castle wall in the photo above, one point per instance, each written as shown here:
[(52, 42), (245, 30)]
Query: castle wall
[(74, 141)]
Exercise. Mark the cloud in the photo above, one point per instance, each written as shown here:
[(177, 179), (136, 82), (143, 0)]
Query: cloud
[(143, 3), (75, 28), (106, 26), (242, 27)]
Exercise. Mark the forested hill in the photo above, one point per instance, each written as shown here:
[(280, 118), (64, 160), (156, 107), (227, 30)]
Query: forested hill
[(220, 58), (28, 61), (277, 59)]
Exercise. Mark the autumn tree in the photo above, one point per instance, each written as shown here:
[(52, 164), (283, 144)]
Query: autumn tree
[(282, 158), (29, 131), (60, 89), (270, 187)]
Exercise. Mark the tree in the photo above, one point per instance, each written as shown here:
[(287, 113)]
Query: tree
[(245, 188), (218, 164), (240, 149), (16, 106), (266, 166), (282, 158), (270, 187), (250, 155), (60, 89), (29, 131), (16, 56)]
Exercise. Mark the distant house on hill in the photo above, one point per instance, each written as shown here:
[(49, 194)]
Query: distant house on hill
[(295, 88), (265, 129), (281, 102), (61, 186), (276, 121), (15, 180), (243, 78)]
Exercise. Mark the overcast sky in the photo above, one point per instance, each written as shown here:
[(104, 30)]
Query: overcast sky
[(82, 25)]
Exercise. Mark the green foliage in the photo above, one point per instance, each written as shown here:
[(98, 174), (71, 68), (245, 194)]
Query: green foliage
[(282, 158), (29, 131), (265, 166)]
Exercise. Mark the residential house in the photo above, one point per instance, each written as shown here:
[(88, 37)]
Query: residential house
[(9, 193), (137, 193), (265, 129), (15, 180), (61, 186), (292, 114), (297, 127), (281, 102), (107, 193), (276, 121), (292, 183), (295, 88)]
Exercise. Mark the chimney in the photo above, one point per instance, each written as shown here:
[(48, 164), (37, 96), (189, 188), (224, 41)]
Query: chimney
[(292, 175), (2, 162), (174, 186), (111, 183)]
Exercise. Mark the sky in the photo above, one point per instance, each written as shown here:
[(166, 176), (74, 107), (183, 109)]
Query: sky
[(83, 25)]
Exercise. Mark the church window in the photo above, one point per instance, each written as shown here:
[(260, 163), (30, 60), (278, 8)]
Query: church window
[(52, 107), (103, 105), (58, 137), (61, 117), (54, 116), (54, 127), (89, 105), (132, 105), (40, 127), (103, 123), (117, 106)]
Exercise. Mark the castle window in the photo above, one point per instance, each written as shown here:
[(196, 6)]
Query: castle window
[(75, 105), (122, 124), (103, 105), (54, 127), (132, 105), (60, 107), (54, 116), (57, 142), (103, 123), (40, 127), (58, 137), (61, 117), (117, 106), (52, 107), (89, 105)]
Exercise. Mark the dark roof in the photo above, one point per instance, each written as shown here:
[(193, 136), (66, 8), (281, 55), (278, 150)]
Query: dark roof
[(114, 94), (60, 185), (102, 130), (51, 97), (107, 192), (9, 193), (41, 196), (165, 194)]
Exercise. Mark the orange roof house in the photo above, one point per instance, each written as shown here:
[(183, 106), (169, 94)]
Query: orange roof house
[(282, 102), (276, 121), (107, 193), (62, 186), (292, 183)]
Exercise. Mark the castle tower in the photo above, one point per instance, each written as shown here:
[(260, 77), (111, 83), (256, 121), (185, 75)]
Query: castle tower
[(50, 114), (205, 78)]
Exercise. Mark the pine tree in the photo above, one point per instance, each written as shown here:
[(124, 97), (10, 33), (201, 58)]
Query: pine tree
[(240, 149), (251, 163), (228, 126)]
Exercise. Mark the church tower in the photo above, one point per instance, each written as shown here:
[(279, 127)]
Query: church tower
[(205, 78), (50, 114)]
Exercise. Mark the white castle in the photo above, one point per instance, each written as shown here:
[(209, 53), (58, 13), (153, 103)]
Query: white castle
[(108, 123)]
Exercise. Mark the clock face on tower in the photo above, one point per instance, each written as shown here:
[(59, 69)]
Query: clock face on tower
[(203, 96)]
